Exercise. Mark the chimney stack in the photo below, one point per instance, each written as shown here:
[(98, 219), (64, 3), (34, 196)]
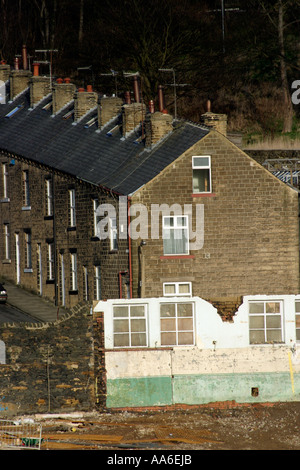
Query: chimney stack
[(132, 116), (109, 108), (84, 101), (157, 124), (216, 121), (19, 79), (40, 86), (4, 71), (62, 93)]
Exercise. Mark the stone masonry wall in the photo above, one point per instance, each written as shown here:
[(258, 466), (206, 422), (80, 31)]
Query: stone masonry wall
[(251, 234), (52, 367), (55, 229)]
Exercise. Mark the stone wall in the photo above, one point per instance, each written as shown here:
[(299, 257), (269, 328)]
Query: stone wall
[(251, 235), (52, 367), (55, 229)]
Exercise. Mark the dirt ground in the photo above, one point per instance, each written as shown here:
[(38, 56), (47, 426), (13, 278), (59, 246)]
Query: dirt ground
[(255, 427)]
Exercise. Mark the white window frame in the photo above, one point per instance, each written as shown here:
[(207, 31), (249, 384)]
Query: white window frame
[(176, 227), (5, 180), (74, 279), (49, 197), (28, 251), (26, 189), (96, 218), (177, 318), (6, 241), (86, 283), (130, 318), (50, 253), (113, 234), (197, 166), (97, 282), (72, 203), (266, 315), (177, 292), (297, 320)]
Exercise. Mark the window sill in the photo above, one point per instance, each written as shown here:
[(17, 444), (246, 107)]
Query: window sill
[(5, 199), (26, 208), (50, 281), (6, 261), (203, 194), (48, 217), (28, 270), (71, 229), (177, 256), (73, 292), (141, 348)]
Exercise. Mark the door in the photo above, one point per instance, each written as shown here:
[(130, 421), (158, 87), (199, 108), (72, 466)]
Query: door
[(62, 274), (39, 269), (18, 268)]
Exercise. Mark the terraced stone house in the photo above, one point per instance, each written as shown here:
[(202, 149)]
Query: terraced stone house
[(203, 218)]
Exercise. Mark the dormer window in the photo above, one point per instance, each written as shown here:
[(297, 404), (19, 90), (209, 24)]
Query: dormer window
[(201, 174)]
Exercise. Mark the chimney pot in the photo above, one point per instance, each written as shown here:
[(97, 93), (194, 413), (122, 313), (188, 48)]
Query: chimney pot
[(16, 63), (151, 106), (136, 89), (24, 57), (59, 80), (36, 67), (67, 80), (127, 97), (89, 88), (80, 90), (160, 98)]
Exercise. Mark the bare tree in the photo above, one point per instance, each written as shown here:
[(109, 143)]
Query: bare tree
[(80, 30), (276, 12)]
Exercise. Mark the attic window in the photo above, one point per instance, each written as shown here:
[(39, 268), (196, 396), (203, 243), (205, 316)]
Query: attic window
[(177, 288), (201, 174)]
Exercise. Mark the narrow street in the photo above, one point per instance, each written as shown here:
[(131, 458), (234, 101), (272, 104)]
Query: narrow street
[(10, 314)]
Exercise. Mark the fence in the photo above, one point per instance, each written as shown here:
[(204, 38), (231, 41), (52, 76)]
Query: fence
[(20, 435)]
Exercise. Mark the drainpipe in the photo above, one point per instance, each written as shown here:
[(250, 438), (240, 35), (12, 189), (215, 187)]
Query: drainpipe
[(129, 247)]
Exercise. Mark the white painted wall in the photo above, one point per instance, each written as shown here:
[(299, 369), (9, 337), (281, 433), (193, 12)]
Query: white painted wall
[(220, 347)]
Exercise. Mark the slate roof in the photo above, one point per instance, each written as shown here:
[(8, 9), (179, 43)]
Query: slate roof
[(119, 164)]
